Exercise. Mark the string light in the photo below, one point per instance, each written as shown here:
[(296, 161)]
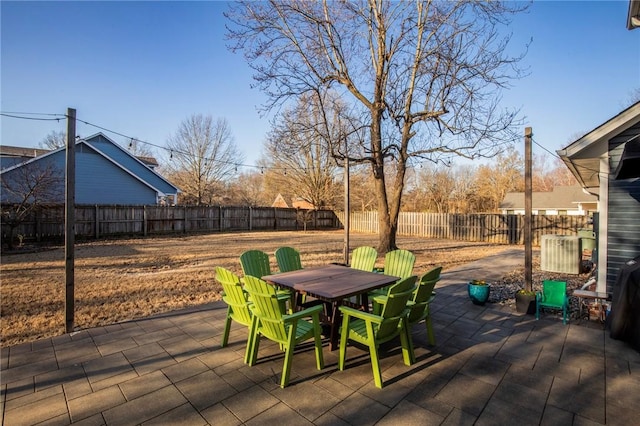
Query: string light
[(57, 117)]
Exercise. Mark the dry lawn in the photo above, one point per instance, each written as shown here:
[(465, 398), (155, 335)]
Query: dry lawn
[(127, 279)]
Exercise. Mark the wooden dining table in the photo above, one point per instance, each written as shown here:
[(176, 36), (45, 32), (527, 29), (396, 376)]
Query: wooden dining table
[(332, 284)]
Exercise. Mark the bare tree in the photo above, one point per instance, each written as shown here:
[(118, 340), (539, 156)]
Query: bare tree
[(300, 157), (202, 156), (249, 190), (25, 189), (54, 140), (426, 75), (493, 181)]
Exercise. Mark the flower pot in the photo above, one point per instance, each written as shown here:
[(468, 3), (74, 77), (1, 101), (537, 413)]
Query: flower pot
[(526, 303), (479, 294)]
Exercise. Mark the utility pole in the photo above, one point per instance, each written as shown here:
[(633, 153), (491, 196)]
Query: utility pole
[(70, 220), (528, 190)]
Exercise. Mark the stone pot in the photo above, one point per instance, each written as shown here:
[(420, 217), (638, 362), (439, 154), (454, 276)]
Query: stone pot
[(526, 303)]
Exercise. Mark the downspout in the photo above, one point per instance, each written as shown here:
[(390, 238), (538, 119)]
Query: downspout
[(603, 222)]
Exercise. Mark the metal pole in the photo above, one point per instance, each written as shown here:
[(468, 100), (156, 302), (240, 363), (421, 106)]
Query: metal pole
[(70, 220), (347, 210), (528, 190)]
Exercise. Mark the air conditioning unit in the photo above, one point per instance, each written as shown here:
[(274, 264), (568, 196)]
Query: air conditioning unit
[(561, 253)]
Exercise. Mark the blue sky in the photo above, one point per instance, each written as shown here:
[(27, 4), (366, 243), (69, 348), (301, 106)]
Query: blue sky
[(140, 68)]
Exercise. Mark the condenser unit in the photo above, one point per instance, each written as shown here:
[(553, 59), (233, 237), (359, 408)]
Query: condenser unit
[(561, 253)]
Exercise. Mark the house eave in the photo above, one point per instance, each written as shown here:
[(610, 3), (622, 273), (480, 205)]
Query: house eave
[(582, 157), (633, 17)]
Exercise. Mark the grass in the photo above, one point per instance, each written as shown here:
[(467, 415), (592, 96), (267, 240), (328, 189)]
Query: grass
[(119, 280)]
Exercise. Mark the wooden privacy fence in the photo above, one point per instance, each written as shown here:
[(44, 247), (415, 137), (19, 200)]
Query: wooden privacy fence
[(96, 221), (493, 228)]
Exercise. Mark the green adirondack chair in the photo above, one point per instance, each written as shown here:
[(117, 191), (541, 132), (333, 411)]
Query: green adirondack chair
[(288, 330), (373, 330), (419, 304), (364, 258), (256, 264), (553, 296), (397, 263), (237, 301), (288, 259)]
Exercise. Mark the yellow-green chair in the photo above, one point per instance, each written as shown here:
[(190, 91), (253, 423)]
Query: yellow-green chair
[(397, 263), (553, 296), (373, 330), (288, 330), (363, 258), (419, 304), (237, 301)]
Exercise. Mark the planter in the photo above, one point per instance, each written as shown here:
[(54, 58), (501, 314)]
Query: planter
[(479, 294), (526, 303)]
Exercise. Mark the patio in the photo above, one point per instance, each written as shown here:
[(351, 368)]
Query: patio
[(490, 366)]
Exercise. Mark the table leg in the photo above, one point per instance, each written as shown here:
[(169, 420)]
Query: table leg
[(334, 336)]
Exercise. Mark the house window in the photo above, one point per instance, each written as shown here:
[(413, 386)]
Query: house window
[(562, 212), (542, 212)]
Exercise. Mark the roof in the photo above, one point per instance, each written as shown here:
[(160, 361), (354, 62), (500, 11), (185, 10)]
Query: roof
[(561, 198), (582, 157), (23, 152), (18, 151), (280, 202)]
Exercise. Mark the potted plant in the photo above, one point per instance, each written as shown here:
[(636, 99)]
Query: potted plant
[(478, 291), (526, 301)]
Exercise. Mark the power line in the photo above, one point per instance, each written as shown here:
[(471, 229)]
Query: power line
[(22, 117)]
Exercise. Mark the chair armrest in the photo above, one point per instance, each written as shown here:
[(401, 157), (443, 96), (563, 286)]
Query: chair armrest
[(314, 310), (347, 311), (380, 299)]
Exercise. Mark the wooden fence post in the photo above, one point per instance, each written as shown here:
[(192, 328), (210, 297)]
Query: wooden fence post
[(144, 220), (96, 222)]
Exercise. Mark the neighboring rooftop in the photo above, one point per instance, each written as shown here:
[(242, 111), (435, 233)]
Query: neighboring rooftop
[(562, 197)]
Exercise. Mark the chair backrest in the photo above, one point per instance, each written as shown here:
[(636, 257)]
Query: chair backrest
[(267, 308), (234, 295), (364, 258), (423, 294), (255, 263), (288, 259), (399, 263), (554, 292), (395, 307)]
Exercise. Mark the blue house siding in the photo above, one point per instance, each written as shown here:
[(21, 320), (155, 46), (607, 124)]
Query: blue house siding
[(623, 237), (121, 156), (105, 174), (116, 185)]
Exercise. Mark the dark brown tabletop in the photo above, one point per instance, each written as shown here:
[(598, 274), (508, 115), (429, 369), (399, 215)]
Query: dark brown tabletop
[(332, 284)]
